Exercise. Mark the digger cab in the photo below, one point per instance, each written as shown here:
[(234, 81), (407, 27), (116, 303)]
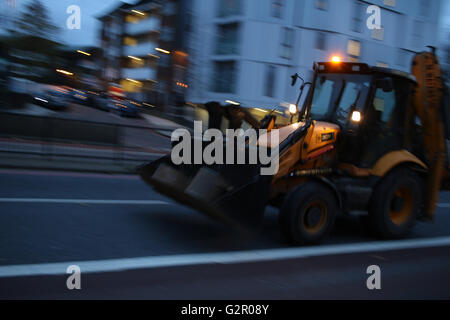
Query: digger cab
[(369, 104)]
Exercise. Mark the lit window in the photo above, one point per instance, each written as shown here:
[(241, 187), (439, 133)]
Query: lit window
[(382, 64), (136, 62), (131, 19), (354, 48), (322, 4), (390, 3), (128, 41), (378, 34)]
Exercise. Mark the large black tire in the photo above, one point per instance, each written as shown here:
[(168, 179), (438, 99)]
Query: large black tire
[(395, 204), (308, 214)]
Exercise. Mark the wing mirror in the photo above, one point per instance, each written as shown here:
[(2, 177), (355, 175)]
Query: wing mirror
[(294, 79)]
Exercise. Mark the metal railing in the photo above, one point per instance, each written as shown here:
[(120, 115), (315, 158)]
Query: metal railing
[(50, 137)]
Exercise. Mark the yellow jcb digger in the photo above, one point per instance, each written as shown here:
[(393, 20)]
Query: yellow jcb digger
[(366, 139)]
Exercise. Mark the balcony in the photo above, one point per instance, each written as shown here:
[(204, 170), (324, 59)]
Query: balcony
[(143, 26), (140, 74), (141, 50)]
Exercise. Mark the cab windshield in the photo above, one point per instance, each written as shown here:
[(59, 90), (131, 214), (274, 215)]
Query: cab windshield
[(336, 95)]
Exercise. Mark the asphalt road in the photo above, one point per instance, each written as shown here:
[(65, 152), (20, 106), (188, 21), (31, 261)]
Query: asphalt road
[(134, 243)]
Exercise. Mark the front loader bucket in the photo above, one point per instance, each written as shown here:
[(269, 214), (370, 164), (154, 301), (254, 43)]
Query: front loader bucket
[(234, 194)]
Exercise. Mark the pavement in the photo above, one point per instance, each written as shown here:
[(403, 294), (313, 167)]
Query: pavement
[(132, 243)]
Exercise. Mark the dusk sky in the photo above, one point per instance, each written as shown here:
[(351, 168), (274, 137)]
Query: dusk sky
[(90, 9), (90, 26)]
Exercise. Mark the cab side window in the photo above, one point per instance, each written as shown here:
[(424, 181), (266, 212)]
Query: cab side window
[(384, 105)]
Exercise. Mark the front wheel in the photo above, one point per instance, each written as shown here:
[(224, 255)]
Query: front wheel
[(308, 214), (395, 204)]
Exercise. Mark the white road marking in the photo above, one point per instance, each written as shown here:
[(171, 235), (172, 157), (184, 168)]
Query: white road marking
[(77, 201), (115, 265), (443, 205), (102, 201)]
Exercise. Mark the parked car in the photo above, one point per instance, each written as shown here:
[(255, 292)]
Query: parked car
[(56, 98), (123, 107), (99, 100), (79, 96)]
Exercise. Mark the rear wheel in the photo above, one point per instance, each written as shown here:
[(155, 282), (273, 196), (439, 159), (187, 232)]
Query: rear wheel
[(395, 204), (308, 213)]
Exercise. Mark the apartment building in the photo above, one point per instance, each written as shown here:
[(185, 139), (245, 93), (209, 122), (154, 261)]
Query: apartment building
[(246, 50), (144, 50)]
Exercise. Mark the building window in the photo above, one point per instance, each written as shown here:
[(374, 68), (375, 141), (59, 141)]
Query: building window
[(378, 34), (287, 43), (134, 62), (269, 82), (358, 15), (224, 77), (277, 8), (130, 18), (229, 8), (129, 41), (228, 39), (321, 41), (382, 64), (322, 4), (390, 3), (354, 48)]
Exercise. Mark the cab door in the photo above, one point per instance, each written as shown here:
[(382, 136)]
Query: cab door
[(383, 125)]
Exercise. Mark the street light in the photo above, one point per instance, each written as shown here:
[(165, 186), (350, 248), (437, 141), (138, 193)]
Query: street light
[(135, 58), (64, 72), (138, 12), (85, 53), (162, 50)]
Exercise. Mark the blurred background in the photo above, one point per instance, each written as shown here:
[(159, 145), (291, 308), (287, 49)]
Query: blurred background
[(149, 65), (90, 89)]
